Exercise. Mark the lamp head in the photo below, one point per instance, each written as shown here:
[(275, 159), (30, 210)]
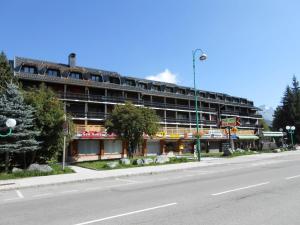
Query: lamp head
[(10, 123), (287, 127), (293, 128), (203, 57)]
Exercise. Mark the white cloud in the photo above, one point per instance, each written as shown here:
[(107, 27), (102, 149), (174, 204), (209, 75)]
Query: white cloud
[(165, 76)]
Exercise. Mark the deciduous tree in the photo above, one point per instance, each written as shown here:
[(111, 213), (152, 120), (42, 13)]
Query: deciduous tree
[(131, 123)]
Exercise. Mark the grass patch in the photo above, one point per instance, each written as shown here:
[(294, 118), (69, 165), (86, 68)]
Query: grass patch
[(57, 169), (186, 157), (102, 165), (235, 154)]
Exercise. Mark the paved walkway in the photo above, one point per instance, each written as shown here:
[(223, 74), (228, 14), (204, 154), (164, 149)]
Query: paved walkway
[(83, 174)]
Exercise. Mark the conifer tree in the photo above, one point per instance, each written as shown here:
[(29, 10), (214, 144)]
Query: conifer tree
[(6, 75), (289, 112), (24, 135)]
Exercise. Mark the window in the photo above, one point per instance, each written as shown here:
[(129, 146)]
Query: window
[(53, 73), (96, 78), (29, 69), (202, 94), (180, 91), (130, 82), (142, 85), (169, 89), (88, 146), (114, 80), (156, 88), (212, 96), (75, 75)]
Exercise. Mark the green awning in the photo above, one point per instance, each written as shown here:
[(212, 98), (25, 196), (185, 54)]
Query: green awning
[(247, 137)]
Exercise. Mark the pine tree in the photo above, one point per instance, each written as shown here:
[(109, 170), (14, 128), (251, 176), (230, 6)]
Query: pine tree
[(24, 135), (6, 75), (289, 112)]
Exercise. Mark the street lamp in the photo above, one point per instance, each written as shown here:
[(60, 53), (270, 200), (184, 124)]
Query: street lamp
[(202, 57), (291, 130), (10, 124)]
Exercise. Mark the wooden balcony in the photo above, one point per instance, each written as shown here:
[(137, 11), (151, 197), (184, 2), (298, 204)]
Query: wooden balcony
[(95, 128)]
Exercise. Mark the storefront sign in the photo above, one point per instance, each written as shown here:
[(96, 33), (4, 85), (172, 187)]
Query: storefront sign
[(230, 122), (96, 134)]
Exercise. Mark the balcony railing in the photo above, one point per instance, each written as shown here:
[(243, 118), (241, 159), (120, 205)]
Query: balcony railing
[(193, 121), (249, 125), (64, 80), (82, 128), (241, 114), (97, 115)]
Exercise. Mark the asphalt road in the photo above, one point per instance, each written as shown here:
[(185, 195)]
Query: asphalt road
[(263, 192)]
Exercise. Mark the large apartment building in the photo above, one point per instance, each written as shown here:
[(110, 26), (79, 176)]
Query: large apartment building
[(89, 96)]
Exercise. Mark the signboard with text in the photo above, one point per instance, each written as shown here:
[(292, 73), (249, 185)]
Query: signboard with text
[(230, 122)]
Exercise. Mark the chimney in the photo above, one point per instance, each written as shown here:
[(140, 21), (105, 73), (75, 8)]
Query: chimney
[(72, 60)]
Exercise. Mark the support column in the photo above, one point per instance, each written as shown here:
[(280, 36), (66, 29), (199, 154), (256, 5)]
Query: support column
[(162, 147), (144, 148), (74, 149), (101, 149), (65, 94), (124, 149), (86, 109), (190, 119), (165, 119), (180, 146)]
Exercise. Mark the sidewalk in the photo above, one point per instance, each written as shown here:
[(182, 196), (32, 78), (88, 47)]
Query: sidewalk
[(83, 174)]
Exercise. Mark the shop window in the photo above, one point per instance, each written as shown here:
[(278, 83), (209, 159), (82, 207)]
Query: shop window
[(88, 146)]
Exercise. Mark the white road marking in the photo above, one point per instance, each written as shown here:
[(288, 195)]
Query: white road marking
[(126, 214), (242, 188), (69, 191), (93, 188), (199, 171), (293, 177), (127, 180), (11, 199), (41, 195), (19, 193)]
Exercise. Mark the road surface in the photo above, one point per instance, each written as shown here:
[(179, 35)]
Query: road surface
[(262, 192)]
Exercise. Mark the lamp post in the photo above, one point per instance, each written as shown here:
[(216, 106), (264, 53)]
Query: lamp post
[(202, 57), (10, 124), (282, 139), (291, 130)]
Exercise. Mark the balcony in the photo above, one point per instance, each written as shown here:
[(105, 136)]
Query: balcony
[(96, 115), (228, 112), (193, 121), (89, 115), (96, 84), (249, 125), (83, 128)]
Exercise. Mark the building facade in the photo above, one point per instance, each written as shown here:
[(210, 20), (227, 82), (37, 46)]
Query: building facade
[(89, 96)]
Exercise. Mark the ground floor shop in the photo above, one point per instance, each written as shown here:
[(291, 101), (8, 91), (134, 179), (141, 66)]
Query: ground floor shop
[(98, 149), (93, 143)]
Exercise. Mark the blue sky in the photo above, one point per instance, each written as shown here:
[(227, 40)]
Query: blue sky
[(253, 46)]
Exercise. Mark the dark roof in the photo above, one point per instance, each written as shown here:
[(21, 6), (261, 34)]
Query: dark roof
[(22, 60)]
